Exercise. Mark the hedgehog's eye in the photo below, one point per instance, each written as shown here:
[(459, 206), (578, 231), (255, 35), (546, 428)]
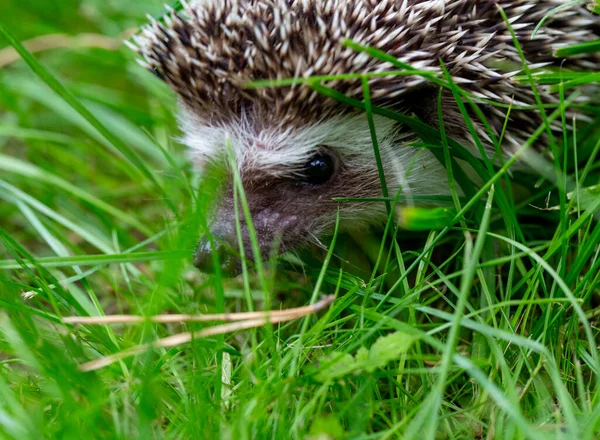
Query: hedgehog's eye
[(318, 170)]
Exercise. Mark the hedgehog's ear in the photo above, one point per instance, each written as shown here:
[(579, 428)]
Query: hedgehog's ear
[(423, 101)]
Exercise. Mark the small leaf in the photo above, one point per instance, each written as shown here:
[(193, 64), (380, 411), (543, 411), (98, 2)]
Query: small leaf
[(418, 218), (326, 428), (342, 366), (362, 355), (387, 348), (384, 350), (585, 197)]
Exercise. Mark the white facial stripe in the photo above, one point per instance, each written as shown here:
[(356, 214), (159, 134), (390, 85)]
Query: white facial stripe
[(272, 148), (279, 151), (347, 136)]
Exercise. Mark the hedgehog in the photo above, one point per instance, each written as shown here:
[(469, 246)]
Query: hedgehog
[(297, 150)]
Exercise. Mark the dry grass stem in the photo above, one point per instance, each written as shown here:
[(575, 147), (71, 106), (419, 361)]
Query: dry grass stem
[(169, 319), (259, 318)]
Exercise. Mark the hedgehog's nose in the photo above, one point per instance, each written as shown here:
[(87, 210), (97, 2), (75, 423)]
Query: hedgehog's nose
[(229, 263)]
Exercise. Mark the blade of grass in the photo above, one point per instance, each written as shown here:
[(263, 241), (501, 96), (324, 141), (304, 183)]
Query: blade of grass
[(45, 75)]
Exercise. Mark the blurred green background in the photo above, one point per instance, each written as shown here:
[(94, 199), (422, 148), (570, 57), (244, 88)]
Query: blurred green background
[(81, 43)]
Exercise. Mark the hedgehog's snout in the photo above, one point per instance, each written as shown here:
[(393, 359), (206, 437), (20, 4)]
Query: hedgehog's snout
[(273, 229), (204, 256)]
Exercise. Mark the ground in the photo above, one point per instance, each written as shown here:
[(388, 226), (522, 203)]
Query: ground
[(485, 327)]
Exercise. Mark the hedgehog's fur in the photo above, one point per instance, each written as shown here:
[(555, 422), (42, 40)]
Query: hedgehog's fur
[(209, 51)]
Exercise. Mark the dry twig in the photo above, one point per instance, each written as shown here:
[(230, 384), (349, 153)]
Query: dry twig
[(241, 321)]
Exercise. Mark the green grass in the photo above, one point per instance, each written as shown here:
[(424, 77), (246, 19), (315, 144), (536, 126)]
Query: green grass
[(486, 326)]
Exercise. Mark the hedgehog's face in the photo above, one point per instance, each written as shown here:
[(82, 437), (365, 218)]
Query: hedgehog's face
[(291, 179)]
